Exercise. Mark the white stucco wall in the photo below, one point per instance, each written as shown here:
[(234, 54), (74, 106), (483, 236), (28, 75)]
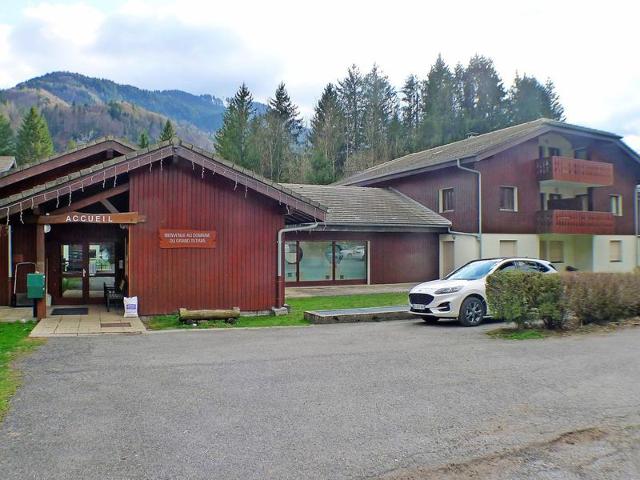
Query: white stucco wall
[(601, 260), (465, 249), (527, 245)]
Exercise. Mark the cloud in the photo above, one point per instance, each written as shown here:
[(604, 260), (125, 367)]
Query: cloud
[(211, 47)]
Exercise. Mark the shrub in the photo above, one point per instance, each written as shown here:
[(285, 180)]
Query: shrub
[(524, 298), (602, 297)]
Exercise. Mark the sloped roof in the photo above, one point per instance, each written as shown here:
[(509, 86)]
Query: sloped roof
[(472, 147), (106, 171), (369, 206), (127, 148), (7, 163)]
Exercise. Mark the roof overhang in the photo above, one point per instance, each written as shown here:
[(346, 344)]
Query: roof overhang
[(332, 227), (107, 173)]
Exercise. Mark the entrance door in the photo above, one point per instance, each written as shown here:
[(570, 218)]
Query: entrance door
[(85, 268)]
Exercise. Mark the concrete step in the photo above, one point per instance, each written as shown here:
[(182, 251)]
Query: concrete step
[(354, 315)]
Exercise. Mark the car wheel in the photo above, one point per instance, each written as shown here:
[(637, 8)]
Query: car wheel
[(430, 319), (472, 311)]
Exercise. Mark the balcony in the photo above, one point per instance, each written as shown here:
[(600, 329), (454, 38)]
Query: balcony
[(584, 172), (576, 222)]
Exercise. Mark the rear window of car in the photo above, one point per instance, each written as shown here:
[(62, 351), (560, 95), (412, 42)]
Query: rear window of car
[(531, 266)]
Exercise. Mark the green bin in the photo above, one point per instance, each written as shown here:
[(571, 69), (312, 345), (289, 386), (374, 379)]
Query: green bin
[(35, 285)]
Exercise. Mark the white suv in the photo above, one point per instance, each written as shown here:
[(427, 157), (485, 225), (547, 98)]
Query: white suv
[(462, 293)]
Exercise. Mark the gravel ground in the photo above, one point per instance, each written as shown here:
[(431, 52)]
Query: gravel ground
[(398, 400)]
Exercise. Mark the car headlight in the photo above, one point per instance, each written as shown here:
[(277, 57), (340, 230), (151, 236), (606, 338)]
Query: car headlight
[(442, 291)]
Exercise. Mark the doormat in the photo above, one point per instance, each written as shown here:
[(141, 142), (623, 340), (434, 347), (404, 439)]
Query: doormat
[(116, 324), (70, 311)]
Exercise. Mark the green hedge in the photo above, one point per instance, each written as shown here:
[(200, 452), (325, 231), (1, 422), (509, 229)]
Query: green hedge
[(602, 297), (525, 298)]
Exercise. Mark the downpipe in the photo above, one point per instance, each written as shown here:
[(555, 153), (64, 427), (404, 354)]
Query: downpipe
[(297, 228), (479, 234)]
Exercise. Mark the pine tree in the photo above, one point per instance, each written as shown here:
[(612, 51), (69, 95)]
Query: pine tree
[(233, 140), (277, 133), (439, 106), (380, 105), (327, 138), (7, 140), (143, 140), (167, 132), (529, 99), (484, 96), (351, 96), (34, 140), (411, 113), (556, 110)]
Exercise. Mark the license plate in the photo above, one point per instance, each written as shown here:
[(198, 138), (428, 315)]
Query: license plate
[(418, 306)]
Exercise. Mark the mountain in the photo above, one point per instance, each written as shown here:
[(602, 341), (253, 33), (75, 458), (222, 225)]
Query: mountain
[(82, 108)]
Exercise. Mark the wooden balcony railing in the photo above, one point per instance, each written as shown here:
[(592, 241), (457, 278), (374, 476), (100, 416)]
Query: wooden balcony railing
[(576, 221), (563, 169)]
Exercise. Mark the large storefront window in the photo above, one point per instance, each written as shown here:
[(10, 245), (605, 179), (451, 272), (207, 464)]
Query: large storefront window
[(350, 259), (315, 261)]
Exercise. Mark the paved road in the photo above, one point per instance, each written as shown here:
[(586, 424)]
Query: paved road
[(324, 402)]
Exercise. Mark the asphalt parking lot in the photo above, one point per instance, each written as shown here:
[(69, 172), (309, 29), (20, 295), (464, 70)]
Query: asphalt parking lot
[(396, 399)]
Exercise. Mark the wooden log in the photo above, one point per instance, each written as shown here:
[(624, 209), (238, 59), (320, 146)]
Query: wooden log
[(208, 314)]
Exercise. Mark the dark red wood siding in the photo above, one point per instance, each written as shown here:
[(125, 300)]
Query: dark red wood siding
[(4, 266), (239, 272), (394, 257), (425, 187), (23, 243)]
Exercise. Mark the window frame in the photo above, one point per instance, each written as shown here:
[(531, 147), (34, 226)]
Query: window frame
[(441, 197), (618, 202), (514, 190), (620, 251)]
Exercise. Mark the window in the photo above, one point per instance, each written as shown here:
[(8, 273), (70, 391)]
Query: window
[(583, 201), (509, 199), (446, 200), (615, 250), (531, 266), (616, 205), (506, 267), (551, 200), (556, 251), (553, 152), (508, 248)]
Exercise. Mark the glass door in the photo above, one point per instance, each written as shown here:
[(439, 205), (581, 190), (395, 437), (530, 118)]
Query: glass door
[(102, 269), (73, 271), (85, 269)]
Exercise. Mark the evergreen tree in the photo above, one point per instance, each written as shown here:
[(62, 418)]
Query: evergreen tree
[(351, 95), (277, 133), (7, 140), (556, 110), (233, 140), (327, 138), (439, 124), (143, 140), (380, 105), (529, 100), (483, 96), (411, 113), (167, 132), (34, 140)]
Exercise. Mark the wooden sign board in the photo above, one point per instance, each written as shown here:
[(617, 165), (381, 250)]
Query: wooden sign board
[(186, 238), (80, 217)]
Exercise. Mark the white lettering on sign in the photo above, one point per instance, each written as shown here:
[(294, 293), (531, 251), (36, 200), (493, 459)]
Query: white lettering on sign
[(183, 238), (88, 218)]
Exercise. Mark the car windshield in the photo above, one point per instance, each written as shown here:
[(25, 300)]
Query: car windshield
[(473, 270)]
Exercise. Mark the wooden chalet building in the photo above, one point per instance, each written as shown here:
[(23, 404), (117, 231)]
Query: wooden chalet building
[(546, 189), (179, 227)]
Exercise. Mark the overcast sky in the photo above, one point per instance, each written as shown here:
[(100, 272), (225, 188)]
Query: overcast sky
[(589, 49)]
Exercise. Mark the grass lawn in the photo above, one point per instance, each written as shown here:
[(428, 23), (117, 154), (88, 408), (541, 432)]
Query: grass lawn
[(296, 317), (13, 342), (592, 328), (514, 334)]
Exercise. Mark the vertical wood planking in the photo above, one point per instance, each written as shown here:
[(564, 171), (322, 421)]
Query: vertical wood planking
[(240, 271)]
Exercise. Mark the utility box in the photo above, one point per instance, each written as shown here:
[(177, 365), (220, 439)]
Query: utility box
[(35, 285)]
